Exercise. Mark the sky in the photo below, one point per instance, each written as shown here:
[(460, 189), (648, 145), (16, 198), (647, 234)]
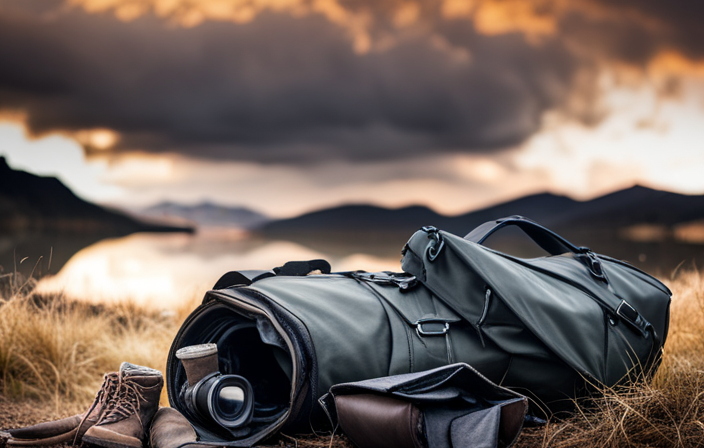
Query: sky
[(287, 106)]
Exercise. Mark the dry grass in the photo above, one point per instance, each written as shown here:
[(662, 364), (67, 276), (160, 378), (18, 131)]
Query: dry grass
[(52, 349), (56, 351)]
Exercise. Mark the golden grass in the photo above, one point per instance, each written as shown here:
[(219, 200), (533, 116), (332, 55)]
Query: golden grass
[(55, 350)]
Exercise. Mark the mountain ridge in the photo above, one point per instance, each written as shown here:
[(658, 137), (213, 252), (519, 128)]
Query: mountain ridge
[(43, 203), (207, 213), (609, 213)]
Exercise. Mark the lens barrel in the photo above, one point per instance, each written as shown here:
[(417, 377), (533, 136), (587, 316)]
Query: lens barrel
[(231, 401), (228, 400)]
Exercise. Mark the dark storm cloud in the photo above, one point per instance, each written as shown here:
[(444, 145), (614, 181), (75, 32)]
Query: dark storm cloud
[(277, 87), (284, 87), (641, 28)]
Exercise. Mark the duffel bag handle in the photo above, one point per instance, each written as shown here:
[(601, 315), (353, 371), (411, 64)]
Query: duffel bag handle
[(548, 240), (554, 244)]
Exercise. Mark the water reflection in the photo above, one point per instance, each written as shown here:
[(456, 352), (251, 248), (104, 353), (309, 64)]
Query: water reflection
[(37, 254), (164, 270)]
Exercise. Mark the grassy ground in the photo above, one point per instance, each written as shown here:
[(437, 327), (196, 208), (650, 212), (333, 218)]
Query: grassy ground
[(53, 353)]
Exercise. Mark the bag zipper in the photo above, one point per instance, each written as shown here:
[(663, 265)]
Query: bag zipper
[(482, 318)]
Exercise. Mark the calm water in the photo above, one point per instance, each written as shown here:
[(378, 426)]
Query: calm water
[(162, 270), (165, 270)]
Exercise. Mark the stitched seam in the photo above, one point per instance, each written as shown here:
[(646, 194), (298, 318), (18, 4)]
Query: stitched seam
[(384, 304)]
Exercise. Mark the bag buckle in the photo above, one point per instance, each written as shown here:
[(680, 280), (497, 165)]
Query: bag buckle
[(443, 330), (626, 311), (593, 263), (404, 282), (431, 332), (436, 246), (630, 315)]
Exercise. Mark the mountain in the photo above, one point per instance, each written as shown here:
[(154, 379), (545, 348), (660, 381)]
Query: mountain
[(368, 219), (607, 214), (355, 218), (208, 214), (544, 208), (35, 203), (636, 205)]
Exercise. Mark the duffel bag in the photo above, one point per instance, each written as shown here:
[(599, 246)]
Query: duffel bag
[(603, 318), (282, 338)]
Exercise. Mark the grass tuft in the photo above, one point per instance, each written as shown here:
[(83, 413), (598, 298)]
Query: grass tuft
[(55, 349)]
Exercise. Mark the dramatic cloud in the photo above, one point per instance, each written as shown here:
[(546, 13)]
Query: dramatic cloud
[(279, 86), (297, 80), (651, 26)]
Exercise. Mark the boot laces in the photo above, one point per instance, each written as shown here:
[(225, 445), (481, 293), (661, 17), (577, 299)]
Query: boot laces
[(102, 399), (106, 393), (125, 402)]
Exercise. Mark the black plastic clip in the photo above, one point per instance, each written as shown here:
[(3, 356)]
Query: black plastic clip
[(437, 244), (630, 315), (593, 263)]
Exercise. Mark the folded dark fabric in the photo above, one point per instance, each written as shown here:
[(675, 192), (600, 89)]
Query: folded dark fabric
[(448, 407), (170, 429)]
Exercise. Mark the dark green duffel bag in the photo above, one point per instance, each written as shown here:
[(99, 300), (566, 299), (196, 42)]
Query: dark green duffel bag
[(543, 327), (603, 319)]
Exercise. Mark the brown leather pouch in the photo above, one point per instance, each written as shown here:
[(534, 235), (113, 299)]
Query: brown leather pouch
[(376, 421)]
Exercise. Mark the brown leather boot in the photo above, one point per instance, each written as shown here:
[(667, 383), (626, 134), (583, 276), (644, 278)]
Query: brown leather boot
[(170, 429), (125, 423), (69, 429)]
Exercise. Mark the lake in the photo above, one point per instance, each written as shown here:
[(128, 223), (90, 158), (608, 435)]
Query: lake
[(159, 269), (164, 270)]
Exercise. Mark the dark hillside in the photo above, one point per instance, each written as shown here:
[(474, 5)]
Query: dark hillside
[(30, 203)]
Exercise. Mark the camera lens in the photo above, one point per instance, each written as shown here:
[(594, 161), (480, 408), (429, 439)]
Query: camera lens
[(226, 399), (230, 401)]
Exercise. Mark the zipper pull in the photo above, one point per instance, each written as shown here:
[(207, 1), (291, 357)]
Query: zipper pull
[(482, 318), (593, 263), (435, 247)]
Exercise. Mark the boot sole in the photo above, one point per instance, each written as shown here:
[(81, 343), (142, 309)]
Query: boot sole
[(55, 440), (108, 443)]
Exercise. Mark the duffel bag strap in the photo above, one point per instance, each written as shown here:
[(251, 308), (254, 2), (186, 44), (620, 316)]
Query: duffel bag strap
[(303, 268), (548, 240), (292, 268), (241, 278), (554, 244)]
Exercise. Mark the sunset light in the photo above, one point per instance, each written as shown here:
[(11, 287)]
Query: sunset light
[(97, 139), (237, 206)]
